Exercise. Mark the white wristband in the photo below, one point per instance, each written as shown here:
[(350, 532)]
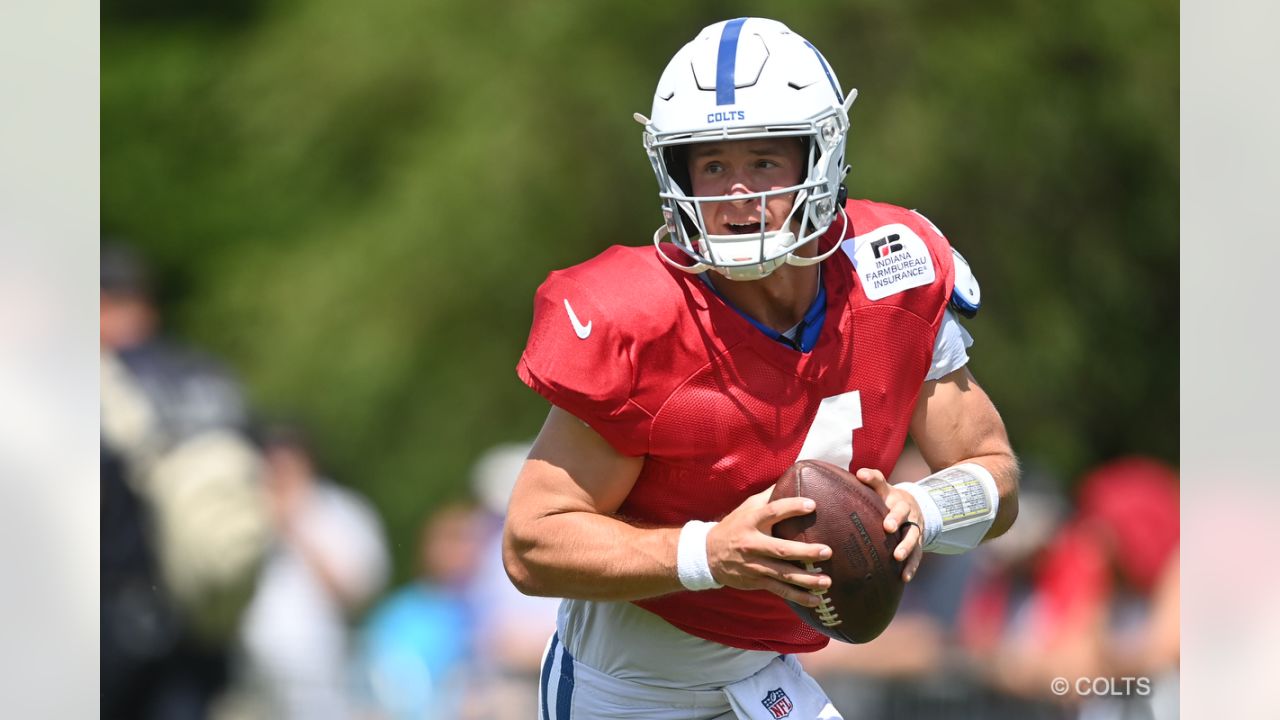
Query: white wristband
[(691, 557), (958, 505)]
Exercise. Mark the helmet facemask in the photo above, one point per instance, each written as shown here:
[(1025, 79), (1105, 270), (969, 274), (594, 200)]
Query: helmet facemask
[(750, 256), (789, 79)]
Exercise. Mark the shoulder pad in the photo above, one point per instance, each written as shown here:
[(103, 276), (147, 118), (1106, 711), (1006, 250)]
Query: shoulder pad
[(966, 296)]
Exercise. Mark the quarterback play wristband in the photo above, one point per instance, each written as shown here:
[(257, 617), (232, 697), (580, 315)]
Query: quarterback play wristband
[(958, 506), (691, 557)]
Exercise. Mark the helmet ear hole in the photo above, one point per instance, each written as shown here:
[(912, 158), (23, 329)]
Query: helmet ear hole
[(676, 158)]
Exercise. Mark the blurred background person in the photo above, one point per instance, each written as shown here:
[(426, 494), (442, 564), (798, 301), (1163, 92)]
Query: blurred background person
[(512, 628), (459, 640), (416, 646), (1097, 598), (327, 560), (182, 523)]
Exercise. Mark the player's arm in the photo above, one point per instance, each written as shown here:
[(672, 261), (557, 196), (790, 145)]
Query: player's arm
[(954, 423), (956, 427), (562, 539)]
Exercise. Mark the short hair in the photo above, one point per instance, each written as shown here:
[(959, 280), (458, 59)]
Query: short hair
[(285, 436), (121, 271)]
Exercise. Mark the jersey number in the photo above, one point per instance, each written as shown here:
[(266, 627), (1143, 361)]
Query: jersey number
[(830, 435)]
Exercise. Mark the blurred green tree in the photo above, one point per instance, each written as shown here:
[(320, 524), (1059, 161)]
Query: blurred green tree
[(354, 203)]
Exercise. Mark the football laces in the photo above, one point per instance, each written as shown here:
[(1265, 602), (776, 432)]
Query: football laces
[(826, 611)]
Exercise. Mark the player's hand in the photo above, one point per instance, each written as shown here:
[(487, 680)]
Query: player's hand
[(902, 509), (743, 553)]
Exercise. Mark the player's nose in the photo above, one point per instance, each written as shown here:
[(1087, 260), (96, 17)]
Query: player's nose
[(738, 186), (737, 181)]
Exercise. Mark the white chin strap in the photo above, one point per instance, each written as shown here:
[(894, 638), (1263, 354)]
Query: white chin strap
[(798, 261), (722, 248), (737, 257)]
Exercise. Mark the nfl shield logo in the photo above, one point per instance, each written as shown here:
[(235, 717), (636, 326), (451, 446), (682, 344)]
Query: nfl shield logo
[(778, 703)]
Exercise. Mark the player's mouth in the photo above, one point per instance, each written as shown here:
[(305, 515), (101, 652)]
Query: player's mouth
[(748, 227)]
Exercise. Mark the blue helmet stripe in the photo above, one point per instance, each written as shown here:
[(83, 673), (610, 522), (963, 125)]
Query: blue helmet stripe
[(727, 61), (826, 69)]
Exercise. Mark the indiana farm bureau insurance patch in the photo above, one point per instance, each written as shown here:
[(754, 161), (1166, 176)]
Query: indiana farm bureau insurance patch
[(890, 259)]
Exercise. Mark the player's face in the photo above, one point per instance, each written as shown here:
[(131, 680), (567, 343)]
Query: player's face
[(741, 167)]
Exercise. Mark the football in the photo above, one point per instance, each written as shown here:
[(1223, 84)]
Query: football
[(866, 580)]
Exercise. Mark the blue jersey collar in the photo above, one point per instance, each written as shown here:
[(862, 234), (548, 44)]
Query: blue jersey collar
[(807, 332)]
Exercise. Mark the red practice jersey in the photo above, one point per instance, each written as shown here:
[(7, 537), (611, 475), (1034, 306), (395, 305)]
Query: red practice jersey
[(656, 363)]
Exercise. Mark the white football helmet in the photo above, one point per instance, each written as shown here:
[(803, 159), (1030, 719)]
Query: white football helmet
[(737, 80)]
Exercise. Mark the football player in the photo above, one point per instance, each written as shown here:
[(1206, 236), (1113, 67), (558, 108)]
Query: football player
[(780, 322)]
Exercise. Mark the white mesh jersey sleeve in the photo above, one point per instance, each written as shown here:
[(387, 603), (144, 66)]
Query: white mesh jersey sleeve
[(950, 350)]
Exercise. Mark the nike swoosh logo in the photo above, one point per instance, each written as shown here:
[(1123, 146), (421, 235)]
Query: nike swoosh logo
[(583, 331)]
